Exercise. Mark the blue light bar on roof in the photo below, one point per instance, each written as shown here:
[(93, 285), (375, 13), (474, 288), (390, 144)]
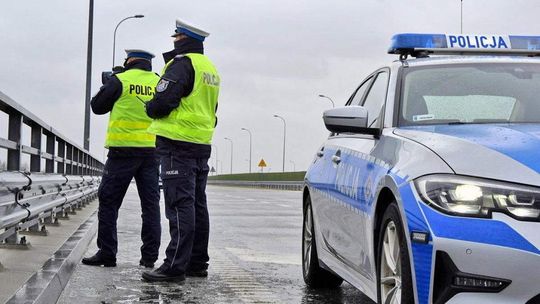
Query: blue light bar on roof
[(459, 43)]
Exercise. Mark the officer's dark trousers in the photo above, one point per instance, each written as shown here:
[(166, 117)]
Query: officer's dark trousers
[(117, 176), (184, 185)]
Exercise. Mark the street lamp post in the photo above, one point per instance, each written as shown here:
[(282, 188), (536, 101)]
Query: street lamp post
[(216, 157), (114, 37), (226, 138), (220, 163), (86, 130), (461, 18), (249, 132), (324, 96), (284, 136)]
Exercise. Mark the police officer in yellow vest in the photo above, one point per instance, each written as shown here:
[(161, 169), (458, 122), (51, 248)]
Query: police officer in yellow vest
[(131, 155), (184, 109)]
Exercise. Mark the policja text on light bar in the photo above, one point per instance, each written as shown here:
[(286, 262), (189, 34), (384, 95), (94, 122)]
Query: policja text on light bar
[(413, 44)]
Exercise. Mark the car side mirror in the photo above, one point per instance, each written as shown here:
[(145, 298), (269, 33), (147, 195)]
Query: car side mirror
[(350, 119)]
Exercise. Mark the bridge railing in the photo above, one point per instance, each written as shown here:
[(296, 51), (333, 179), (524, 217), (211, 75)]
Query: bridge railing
[(61, 177), (61, 155)]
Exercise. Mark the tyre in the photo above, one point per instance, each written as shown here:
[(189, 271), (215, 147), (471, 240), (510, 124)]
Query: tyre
[(314, 275), (394, 278)]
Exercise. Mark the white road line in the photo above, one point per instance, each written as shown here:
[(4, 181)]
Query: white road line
[(250, 255), (240, 281), (284, 206)]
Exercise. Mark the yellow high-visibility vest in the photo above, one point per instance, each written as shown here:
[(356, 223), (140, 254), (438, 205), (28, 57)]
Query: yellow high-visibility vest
[(128, 122), (194, 119)]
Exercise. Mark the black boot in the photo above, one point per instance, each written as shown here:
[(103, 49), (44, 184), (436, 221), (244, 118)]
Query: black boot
[(97, 260), (198, 273), (146, 264), (163, 274)]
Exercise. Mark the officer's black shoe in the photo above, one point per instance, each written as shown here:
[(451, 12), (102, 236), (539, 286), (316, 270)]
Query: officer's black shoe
[(146, 264), (163, 274), (202, 273), (97, 260)]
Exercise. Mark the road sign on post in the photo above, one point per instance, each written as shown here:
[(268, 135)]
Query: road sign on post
[(262, 164), (212, 170)]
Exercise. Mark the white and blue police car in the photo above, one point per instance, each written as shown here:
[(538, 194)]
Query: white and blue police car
[(428, 187)]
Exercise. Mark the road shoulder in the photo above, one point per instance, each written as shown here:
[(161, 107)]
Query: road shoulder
[(39, 274)]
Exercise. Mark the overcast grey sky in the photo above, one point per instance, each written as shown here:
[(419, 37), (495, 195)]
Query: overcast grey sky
[(274, 57)]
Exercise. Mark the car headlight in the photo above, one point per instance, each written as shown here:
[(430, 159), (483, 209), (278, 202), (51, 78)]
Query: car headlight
[(467, 196)]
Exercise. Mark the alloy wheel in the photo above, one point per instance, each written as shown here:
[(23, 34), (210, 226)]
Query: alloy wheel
[(391, 266), (308, 238)]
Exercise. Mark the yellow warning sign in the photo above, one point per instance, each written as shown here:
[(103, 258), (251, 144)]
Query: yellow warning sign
[(262, 163)]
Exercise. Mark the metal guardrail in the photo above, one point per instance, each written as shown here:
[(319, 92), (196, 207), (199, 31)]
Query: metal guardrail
[(68, 180), (29, 201), (282, 185)]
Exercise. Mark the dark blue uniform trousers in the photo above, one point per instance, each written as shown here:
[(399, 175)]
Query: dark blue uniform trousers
[(117, 176), (184, 186)]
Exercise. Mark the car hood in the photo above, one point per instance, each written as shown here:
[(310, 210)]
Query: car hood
[(499, 151)]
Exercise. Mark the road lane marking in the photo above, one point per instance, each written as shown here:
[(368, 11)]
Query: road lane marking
[(250, 255), (241, 282)]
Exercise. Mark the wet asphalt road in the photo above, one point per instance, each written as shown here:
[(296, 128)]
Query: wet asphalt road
[(255, 257)]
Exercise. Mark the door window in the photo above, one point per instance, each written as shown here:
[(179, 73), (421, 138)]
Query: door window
[(375, 99), (356, 99)]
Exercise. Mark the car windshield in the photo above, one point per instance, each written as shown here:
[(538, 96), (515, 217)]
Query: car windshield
[(471, 93)]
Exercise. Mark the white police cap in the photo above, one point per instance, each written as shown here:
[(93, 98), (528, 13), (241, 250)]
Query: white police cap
[(183, 27), (138, 53)]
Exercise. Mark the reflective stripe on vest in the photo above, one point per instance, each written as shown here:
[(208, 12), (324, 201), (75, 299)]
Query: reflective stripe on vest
[(128, 122), (194, 119)]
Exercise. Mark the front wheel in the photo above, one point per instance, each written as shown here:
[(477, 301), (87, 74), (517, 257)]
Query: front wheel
[(394, 270), (314, 275)]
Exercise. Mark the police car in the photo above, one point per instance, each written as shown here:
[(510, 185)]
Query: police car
[(428, 187)]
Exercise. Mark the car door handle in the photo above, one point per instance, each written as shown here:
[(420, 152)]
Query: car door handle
[(336, 159)]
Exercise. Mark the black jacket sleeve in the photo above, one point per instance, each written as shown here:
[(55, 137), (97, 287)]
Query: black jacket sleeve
[(177, 82), (103, 101)]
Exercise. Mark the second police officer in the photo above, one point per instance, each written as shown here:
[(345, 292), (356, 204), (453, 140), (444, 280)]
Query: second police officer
[(184, 108), (131, 155)]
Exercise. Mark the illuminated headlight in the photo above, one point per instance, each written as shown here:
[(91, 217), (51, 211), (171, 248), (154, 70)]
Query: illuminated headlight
[(468, 196)]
